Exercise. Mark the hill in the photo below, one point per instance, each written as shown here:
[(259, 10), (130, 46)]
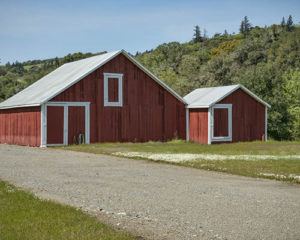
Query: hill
[(266, 60)]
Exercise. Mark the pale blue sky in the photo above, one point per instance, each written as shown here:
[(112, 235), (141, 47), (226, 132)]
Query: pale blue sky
[(43, 29)]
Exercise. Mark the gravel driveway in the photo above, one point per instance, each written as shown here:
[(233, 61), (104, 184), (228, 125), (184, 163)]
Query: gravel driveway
[(157, 201)]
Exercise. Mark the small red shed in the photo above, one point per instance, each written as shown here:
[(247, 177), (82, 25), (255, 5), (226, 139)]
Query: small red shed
[(105, 98), (225, 114)]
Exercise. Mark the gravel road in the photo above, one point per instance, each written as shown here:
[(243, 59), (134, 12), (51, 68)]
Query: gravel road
[(157, 201)]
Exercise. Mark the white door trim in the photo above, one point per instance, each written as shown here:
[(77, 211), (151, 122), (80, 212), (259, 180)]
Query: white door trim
[(221, 138), (66, 106), (43, 126), (187, 124), (210, 125), (266, 123)]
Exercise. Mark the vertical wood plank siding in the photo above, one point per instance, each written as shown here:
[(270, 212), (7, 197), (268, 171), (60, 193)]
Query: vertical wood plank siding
[(220, 122), (248, 117), (199, 125), (76, 123), (113, 90), (21, 126), (149, 112), (55, 125)]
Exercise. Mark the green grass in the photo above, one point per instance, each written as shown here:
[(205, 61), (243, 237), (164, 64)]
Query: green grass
[(178, 146), (23, 216), (282, 169)]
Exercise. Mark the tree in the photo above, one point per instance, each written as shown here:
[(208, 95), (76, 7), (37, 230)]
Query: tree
[(282, 24), (292, 95), (289, 24), (245, 26), (242, 27), (197, 34), (225, 33)]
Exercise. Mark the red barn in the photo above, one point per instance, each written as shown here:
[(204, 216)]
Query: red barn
[(225, 114), (105, 98)]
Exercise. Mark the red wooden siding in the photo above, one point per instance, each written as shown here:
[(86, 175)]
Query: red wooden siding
[(76, 123), (113, 90), (21, 126), (220, 122), (199, 125), (248, 117), (55, 125), (149, 112)]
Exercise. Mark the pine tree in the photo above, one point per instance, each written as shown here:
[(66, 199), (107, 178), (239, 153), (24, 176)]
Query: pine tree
[(282, 24), (197, 34), (225, 33), (289, 24), (245, 26), (242, 27)]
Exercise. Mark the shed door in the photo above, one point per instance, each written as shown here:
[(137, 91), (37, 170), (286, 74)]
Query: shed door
[(55, 124), (76, 124)]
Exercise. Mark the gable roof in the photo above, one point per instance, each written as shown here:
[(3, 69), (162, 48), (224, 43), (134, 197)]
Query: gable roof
[(67, 75), (206, 97)]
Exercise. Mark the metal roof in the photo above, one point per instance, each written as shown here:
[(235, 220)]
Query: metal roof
[(206, 97), (64, 77)]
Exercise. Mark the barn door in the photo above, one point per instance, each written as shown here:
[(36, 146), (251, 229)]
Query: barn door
[(55, 125), (65, 123), (222, 122), (76, 124)]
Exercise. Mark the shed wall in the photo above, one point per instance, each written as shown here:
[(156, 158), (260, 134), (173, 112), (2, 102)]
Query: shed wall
[(248, 117), (149, 112), (198, 118), (21, 126)]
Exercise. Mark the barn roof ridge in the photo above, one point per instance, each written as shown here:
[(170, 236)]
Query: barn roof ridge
[(66, 76), (208, 96)]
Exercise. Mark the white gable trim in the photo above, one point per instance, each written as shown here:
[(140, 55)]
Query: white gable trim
[(239, 86)]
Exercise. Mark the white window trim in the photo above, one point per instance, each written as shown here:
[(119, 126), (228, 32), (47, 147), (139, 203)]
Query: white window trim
[(212, 138), (119, 76), (66, 106)]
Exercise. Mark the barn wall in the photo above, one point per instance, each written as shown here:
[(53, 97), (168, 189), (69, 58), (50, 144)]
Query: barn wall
[(198, 125), (21, 126), (149, 112), (248, 117)]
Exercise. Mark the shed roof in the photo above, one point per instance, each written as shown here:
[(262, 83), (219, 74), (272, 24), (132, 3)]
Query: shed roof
[(64, 77), (206, 97)]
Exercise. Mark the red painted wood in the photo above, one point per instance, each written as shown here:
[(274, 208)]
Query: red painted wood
[(220, 122), (113, 90), (55, 125), (76, 123), (21, 126), (248, 117), (198, 125), (149, 112)]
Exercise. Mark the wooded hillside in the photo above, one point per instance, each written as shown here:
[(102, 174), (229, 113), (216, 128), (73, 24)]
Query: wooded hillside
[(266, 60)]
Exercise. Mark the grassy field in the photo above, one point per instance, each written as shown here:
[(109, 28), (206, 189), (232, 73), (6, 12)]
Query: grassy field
[(25, 217), (273, 160)]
